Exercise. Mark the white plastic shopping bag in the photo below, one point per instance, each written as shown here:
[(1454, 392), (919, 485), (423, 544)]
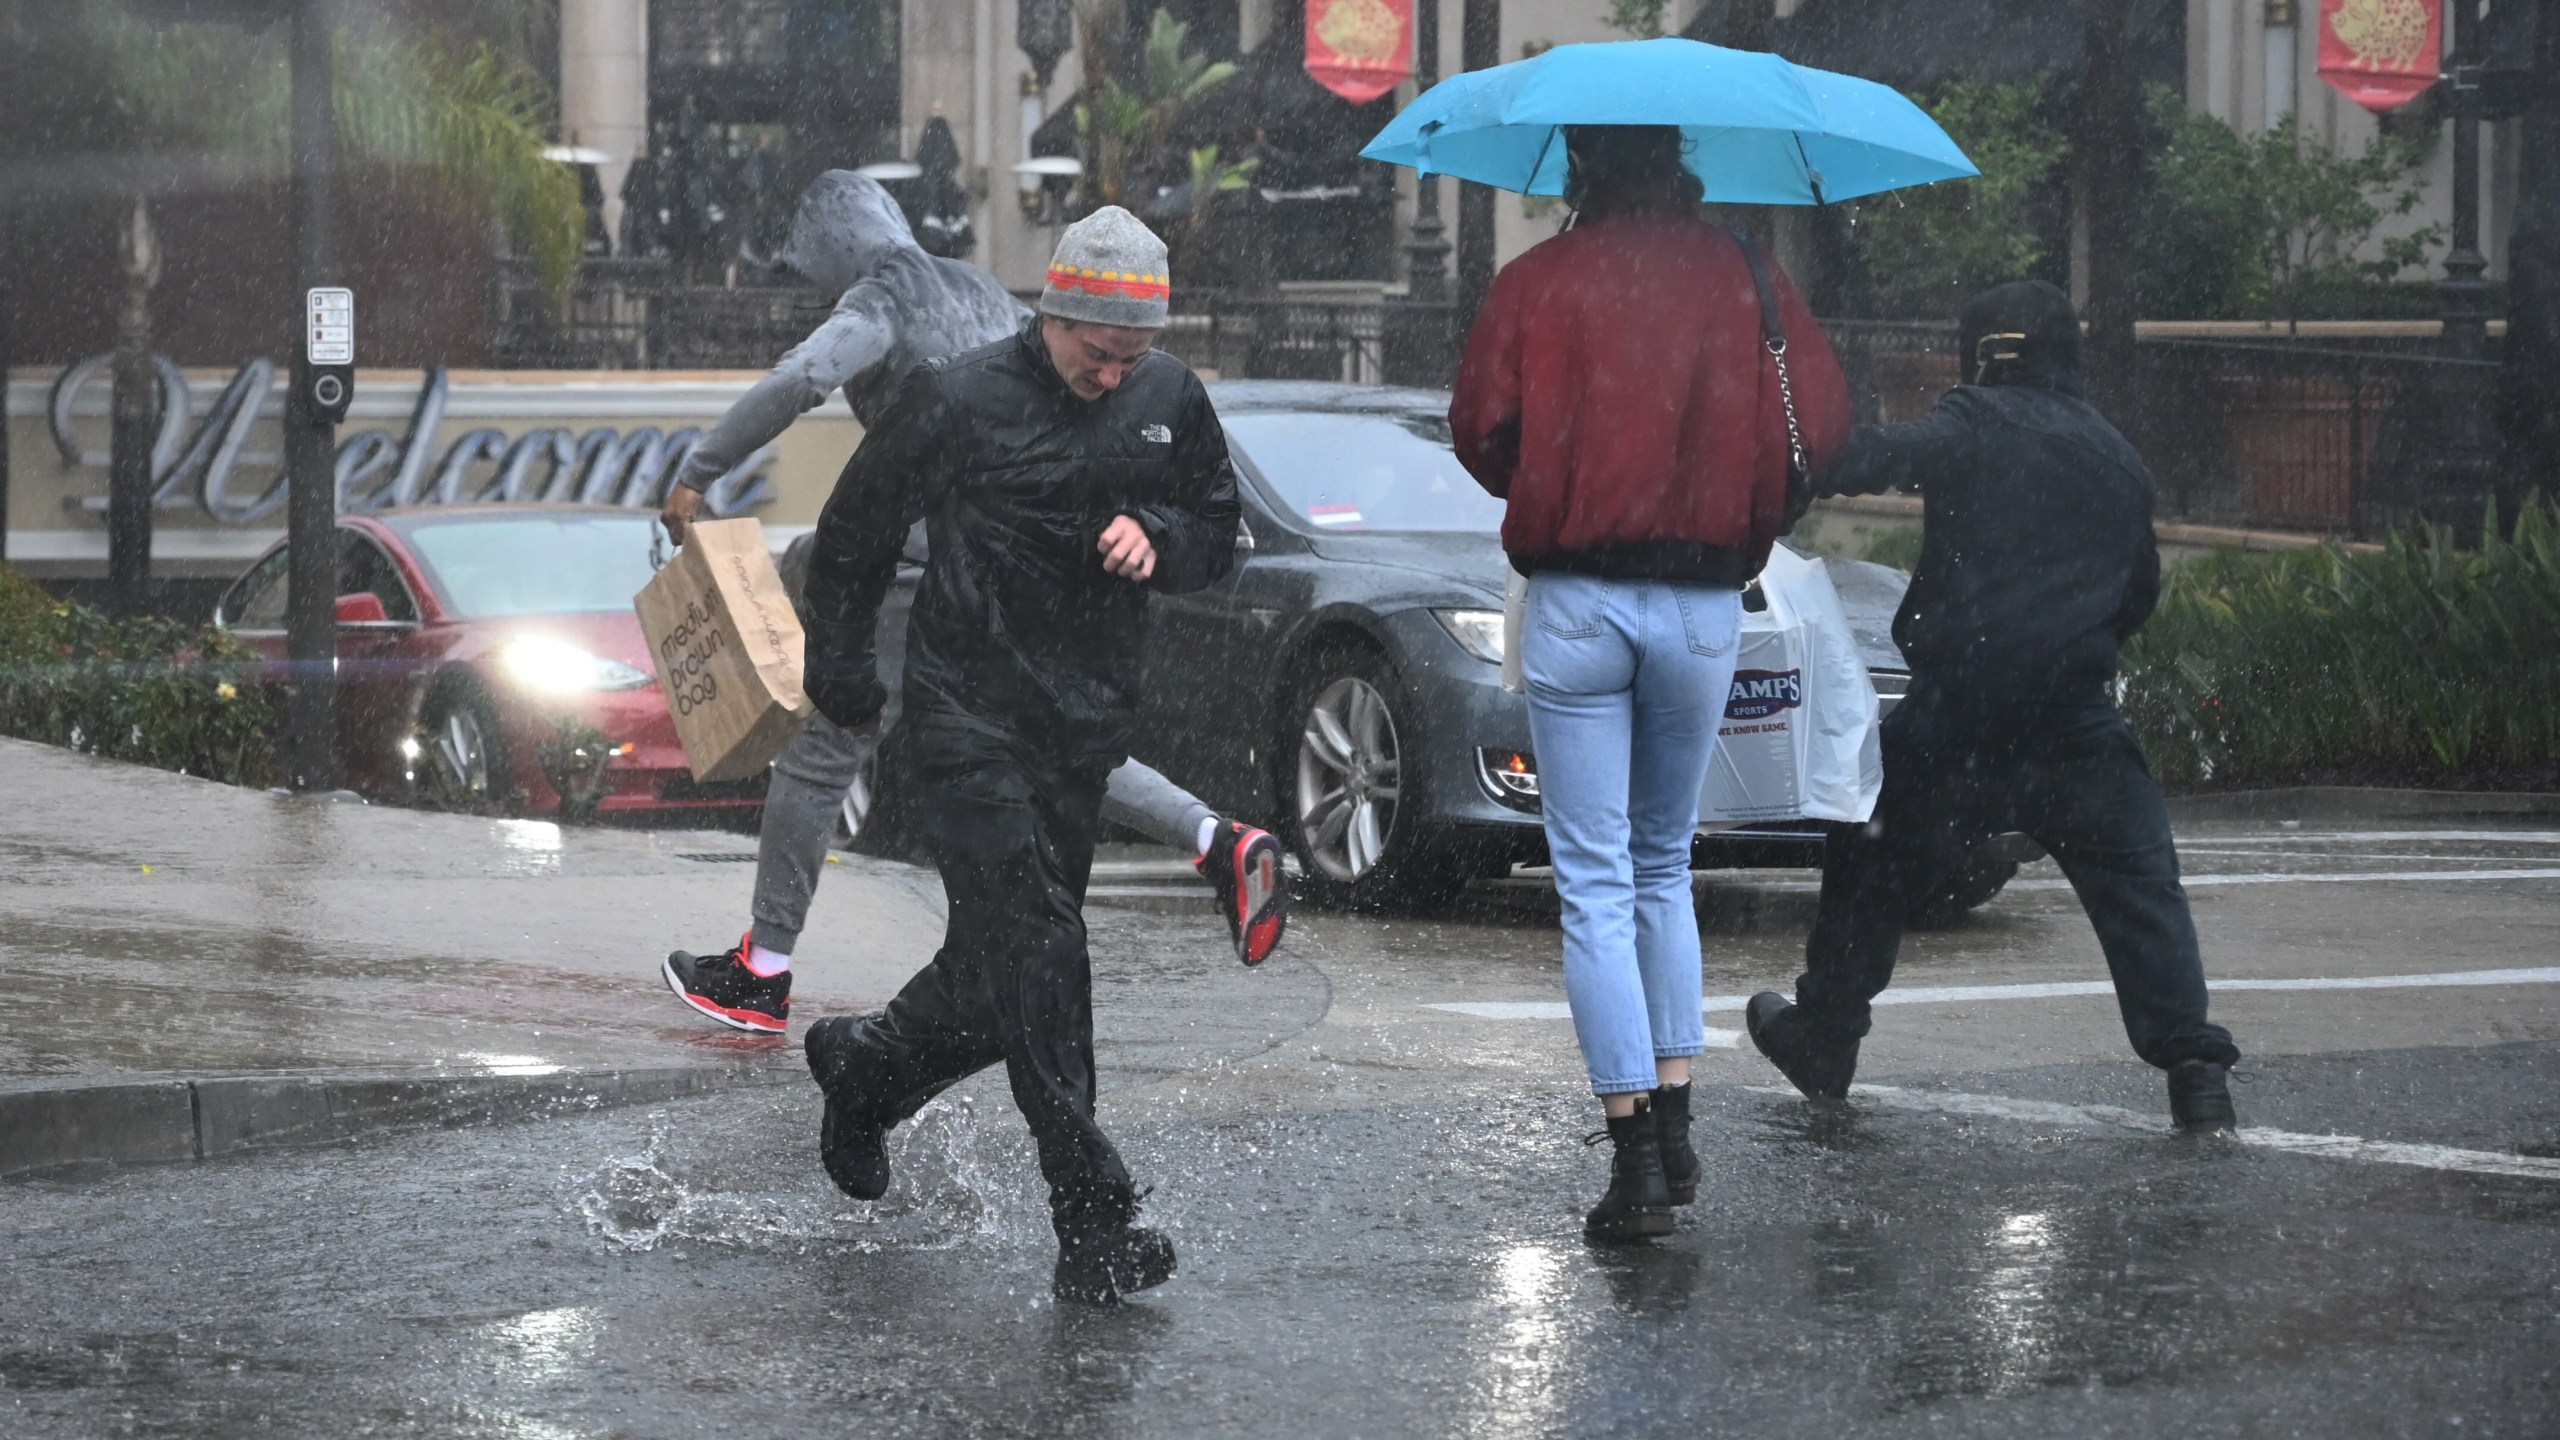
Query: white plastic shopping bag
[(1515, 624), (1799, 738)]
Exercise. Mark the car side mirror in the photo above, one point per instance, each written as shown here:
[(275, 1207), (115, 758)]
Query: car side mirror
[(362, 608)]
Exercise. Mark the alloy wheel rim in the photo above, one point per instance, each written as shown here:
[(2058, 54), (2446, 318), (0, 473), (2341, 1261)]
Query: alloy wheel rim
[(1349, 778), (462, 754)]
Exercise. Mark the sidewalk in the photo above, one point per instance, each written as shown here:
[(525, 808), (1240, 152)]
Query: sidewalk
[(194, 969)]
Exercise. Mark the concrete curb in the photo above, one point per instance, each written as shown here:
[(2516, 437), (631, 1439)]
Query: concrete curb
[(2355, 802), (167, 1119)]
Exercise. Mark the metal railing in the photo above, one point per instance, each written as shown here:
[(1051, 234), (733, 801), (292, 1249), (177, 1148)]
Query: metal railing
[(1282, 338), (2338, 438), (631, 315), (2343, 438)]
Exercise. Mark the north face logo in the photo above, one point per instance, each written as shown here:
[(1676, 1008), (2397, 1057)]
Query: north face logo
[(1156, 434)]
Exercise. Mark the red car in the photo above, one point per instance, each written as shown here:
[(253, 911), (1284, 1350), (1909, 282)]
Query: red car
[(488, 657)]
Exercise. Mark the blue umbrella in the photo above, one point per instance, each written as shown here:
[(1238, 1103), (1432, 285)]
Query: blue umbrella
[(1761, 131)]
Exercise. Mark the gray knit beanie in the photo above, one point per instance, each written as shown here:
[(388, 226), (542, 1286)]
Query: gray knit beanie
[(1109, 270)]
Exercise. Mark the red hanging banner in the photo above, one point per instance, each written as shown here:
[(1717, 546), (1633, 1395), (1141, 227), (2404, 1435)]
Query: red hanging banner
[(2381, 54), (1359, 49)]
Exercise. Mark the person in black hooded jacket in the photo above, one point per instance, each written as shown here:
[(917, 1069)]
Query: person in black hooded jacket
[(2037, 563), (1062, 474)]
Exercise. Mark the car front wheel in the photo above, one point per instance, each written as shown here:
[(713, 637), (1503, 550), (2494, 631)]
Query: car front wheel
[(1350, 812), (461, 759)]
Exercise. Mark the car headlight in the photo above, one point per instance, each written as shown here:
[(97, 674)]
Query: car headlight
[(1510, 776), (1478, 632), (554, 666)]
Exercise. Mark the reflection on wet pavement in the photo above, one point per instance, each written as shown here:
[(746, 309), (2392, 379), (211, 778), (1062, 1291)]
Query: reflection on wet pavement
[(1413, 1269)]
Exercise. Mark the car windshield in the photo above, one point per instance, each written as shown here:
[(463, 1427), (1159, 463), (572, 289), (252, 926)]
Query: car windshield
[(535, 564), (1365, 472)]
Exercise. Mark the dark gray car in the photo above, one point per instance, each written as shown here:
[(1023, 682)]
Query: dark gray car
[(1343, 685)]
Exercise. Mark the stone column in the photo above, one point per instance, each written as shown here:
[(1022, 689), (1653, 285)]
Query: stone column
[(604, 87)]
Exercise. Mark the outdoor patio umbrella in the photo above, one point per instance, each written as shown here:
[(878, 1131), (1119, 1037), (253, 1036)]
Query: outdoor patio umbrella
[(1761, 131)]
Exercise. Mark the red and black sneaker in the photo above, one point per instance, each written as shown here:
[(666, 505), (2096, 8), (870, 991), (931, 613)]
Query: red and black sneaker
[(722, 987), (1243, 866)]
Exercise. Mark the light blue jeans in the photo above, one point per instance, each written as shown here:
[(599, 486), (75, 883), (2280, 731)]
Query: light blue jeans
[(1627, 683)]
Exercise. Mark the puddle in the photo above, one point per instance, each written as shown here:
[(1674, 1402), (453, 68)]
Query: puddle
[(945, 1190)]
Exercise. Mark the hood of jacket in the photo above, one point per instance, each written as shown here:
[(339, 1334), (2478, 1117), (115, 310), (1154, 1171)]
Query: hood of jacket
[(848, 230), (2021, 333)]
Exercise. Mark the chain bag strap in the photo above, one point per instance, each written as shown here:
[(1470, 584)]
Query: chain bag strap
[(1773, 338)]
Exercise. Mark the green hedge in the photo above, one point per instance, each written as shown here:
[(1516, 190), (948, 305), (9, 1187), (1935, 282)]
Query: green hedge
[(2418, 664), (155, 691)]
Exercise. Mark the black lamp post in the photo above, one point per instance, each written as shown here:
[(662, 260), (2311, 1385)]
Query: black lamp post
[(1427, 254), (310, 441), (2464, 291), (1480, 48), (1417, 348), (134, 418)]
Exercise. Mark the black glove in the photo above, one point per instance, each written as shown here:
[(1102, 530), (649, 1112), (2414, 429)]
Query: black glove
[(850, 698)]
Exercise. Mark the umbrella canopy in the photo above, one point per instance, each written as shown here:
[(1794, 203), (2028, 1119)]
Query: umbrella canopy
[(1761, 131)]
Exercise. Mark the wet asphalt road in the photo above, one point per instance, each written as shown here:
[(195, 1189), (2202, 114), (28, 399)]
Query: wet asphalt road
[(1377, 1206)]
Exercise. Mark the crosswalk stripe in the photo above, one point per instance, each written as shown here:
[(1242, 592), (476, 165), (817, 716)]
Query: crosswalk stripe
[(2329, 1147), (2045, 990)]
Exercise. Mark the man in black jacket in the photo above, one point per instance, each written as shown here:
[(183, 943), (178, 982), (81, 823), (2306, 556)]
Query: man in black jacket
[(1062, 473), (2037, 562)]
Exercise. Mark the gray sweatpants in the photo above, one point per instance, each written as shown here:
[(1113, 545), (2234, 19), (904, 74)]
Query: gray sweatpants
[(809, 784)]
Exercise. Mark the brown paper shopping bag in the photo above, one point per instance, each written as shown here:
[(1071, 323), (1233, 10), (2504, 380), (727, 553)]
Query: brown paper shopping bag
[(726, 644)]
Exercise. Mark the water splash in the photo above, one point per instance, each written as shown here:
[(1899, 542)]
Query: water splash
[(955, 1179)]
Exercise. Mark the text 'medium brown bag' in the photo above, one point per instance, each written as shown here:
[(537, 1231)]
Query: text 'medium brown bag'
[(726, 645)]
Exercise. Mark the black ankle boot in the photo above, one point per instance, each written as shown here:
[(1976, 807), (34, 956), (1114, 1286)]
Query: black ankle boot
[(1103, 1267), (2200, 1098), (1671, 1132), (1638, 1202), (852, 1143), (1820, 1065)]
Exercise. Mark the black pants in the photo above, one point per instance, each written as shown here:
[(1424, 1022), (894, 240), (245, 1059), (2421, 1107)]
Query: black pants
[(2071, 777), (1013, 834)]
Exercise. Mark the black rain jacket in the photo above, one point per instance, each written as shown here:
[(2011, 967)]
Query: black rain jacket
[(1019, 636), (2037, 557)]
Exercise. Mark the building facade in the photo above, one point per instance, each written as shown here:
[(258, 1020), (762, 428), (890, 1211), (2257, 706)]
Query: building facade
[(897, 64)]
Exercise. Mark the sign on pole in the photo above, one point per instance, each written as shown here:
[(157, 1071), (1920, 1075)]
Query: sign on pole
[(2381, 54), (329, 350), (1359, 49)]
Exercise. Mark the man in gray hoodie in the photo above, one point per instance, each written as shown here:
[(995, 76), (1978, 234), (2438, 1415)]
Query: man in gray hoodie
[(898, 307)]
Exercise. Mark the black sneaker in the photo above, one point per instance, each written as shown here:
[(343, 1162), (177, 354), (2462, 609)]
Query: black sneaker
[(1103, 1269), (722, 987), (1243, 866), (852, 1145), (1819, 1065), (2200, 1098)]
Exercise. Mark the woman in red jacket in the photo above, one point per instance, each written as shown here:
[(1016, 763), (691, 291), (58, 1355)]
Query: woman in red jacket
[(1617, 392)]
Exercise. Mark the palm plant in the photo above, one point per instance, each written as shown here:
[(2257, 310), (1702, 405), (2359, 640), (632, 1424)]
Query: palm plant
[(1126, 127), (94, 82), (1212, 177)]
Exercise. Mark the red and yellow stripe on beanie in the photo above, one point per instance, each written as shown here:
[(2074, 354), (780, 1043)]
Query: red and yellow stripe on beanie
[(1109, 269)]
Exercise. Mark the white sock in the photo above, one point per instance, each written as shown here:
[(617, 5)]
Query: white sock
[(766, 963), (1208, 832)]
